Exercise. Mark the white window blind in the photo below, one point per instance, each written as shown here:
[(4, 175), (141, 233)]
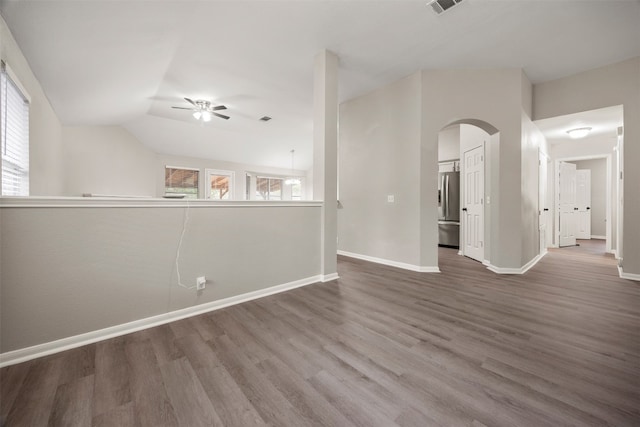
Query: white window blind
[(14, 120), (181, 181)]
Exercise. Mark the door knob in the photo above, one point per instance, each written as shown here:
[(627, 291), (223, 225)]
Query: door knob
[(546, 209), (588, 208), (464, 209), (575, 209)]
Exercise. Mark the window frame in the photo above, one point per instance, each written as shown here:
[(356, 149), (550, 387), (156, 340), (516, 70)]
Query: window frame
[(287, 196), (12, 79), (198, 189), (219, 172)]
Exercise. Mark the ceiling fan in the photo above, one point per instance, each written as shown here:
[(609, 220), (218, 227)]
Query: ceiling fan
[(204, 109)]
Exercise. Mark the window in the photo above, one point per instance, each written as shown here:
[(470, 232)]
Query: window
[(219, 185), (269, 188), (14, 118), (296, 191), (261, 186), (181, 181)]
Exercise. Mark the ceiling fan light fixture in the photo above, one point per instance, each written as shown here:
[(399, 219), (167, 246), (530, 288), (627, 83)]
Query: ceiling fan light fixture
[(197, 114), (206, 116), (579, 132)]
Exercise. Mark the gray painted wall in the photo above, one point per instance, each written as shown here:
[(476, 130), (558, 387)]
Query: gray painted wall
[(598, 168), (67, 271), (494, 97), (377, 134), (616, 84), (45, 146), (449, 143), (377, 149), (532, 142), (379, 156), (106, 160)]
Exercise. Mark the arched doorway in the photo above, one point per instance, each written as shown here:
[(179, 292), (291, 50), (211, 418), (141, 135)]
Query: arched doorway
[(464, 184)]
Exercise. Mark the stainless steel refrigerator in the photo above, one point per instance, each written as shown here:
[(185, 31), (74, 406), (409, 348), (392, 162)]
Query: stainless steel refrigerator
[(449, 209)]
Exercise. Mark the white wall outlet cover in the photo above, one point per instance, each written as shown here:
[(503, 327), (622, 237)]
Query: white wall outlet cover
[(390, 198), (201, 282)]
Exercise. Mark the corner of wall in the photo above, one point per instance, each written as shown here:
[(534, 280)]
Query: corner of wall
[(45, 151), (527, 94)]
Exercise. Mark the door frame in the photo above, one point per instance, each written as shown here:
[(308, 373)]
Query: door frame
[(463, 193), (220, 172), (556, 210), (548, 241)]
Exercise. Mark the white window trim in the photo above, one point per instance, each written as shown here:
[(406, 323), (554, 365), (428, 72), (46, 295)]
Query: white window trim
[(220, 172), (286, 189), (16, 81), (25, 94), (182, 167)]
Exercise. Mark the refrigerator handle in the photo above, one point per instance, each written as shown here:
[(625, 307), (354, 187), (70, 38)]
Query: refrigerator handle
[(446, 196)]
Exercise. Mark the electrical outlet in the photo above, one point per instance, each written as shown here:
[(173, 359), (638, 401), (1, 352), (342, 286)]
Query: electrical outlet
[(201, 283)]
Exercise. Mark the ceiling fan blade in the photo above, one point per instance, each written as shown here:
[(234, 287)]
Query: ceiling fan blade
[(221, 116), (191, 102), (182, 108), (219, 107)]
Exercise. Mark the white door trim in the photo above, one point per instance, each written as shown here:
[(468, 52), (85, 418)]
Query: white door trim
[(219, 172), (608, 214), (543, 214)]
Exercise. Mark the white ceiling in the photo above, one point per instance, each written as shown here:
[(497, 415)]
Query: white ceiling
[(127, 62), (604, 123)]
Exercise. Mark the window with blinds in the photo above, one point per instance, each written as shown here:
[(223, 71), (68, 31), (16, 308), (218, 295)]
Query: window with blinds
[(14, 118), (181, 181)]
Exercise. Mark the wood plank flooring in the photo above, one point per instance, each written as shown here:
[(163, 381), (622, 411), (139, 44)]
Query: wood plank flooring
[(557, 346)]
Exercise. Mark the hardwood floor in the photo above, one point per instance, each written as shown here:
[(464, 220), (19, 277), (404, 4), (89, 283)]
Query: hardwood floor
[(557, 346)]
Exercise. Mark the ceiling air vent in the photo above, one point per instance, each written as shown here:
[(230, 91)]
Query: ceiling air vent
[(441, 6)]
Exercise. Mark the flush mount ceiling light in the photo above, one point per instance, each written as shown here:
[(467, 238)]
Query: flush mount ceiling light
[(579, 132), (291, 180)]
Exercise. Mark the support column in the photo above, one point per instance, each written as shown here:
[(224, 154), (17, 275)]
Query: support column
[(325, 157)]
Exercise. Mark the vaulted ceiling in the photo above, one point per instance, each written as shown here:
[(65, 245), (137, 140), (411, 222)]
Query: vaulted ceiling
[(128, 62)]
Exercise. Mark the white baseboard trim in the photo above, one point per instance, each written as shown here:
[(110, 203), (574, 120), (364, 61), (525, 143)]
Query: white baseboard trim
[(598, 237), (404, 266), (329, 277), (28, 353), (521, 270), (629, 276)]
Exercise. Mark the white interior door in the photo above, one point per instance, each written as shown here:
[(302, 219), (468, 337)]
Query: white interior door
[(583, 203), (473, 207), (567, 206), (543, 211)]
